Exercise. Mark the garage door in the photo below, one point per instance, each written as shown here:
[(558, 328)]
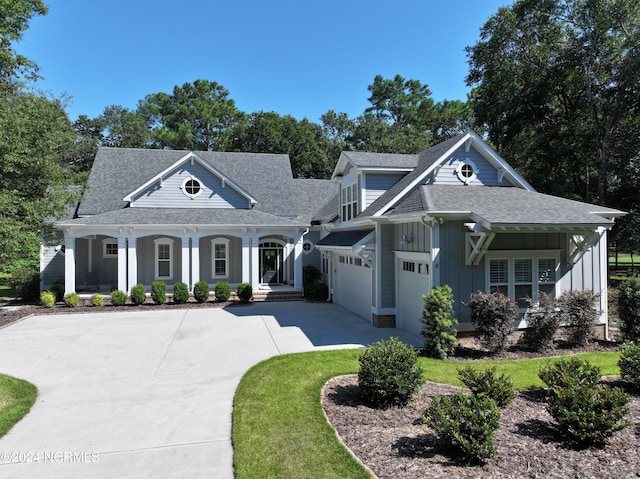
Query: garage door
[(414, 280), (352, 288)]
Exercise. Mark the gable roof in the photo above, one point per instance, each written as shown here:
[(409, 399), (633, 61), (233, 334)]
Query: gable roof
[(374, 161)]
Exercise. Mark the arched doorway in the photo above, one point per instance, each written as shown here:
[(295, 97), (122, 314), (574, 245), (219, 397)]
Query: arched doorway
[(271, 262)]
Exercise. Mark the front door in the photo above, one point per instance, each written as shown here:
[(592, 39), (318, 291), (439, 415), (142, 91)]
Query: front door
[(271, 264)]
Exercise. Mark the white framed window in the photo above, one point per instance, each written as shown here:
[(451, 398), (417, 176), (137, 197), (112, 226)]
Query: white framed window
[(191, 187), (109, 248), (307, 246), (220, 258), (466, 171), (163, 258), (350, 202), (523, 274)]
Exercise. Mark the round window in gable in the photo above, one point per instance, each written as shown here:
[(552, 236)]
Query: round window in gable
[(307, 247), (191, 187), (466, 171)]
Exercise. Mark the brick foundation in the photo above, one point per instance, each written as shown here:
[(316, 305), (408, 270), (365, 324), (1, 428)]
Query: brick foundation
[(384, 320)]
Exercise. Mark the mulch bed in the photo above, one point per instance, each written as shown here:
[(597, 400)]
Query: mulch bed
[(529, 446)]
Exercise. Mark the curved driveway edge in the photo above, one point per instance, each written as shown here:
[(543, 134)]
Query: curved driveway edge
[(150, 393)]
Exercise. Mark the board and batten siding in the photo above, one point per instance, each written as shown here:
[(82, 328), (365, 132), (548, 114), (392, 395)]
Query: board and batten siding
[(387, 268), (487, 175), (375, 184), (169, 194), (417, 238)]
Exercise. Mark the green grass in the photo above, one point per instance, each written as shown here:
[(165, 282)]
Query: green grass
[(16, 398), (279, 430)]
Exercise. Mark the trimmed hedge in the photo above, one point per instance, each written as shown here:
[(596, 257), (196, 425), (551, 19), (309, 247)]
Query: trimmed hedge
[(245, 292), (201, 292), (222, 291), (159, 292), (138, 294), (180, 293), (118, 298)]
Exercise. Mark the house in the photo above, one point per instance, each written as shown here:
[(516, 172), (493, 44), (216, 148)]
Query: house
[(384, 230), (160, 215), (455, 214)]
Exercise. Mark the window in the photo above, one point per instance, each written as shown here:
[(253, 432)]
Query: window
[(220, 257), (307, 247), (409, 266), (164, 258), (466, 171), (523, 275), (350, 202), (423, 268), (191, 187), (109, 248)]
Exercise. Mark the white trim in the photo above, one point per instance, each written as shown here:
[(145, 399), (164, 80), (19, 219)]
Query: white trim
[(461, 164), (157, 242), (225, 242), (311, 246), (107, 241), (183, 187)]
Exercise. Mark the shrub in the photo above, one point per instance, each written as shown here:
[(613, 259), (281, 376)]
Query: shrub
[(466, 423), (96, 299), (564, 373), (180, 293), (543, 320), (47, 299), (245, 292), (71, 299), (389, 374), (579, 313), (58, 290), (629, 363), (222, 291), (201, 292), (316, 291), (588, 415), (310, 275), (629, 309), (138, 294), (493, 316), (497, 387), (159, 292), (118, 298), (439, 322), (26, 281)]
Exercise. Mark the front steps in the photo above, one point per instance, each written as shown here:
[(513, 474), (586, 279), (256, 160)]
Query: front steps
[(271, 295)]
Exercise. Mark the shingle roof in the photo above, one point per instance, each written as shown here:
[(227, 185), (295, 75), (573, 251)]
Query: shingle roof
[(343, 239), (381, 160), (184, 216), (504, 206)]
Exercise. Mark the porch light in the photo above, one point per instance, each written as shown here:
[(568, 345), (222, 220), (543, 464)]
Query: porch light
[(405, 240)]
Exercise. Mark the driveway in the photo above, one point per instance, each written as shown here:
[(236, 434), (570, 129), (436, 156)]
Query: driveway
[(149, 394)]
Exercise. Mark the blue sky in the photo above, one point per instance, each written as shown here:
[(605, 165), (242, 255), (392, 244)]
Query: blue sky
[(294, 57)]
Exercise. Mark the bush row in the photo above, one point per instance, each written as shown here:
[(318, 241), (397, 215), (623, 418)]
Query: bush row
[(138, 293)]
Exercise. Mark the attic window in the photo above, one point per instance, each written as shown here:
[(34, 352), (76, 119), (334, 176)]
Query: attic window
[(466, 171), (191, 187)]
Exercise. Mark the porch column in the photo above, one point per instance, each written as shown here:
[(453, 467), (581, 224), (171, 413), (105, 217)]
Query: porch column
[(255, 262), (195, 262), (297, 270), (69, 263), (185, 260), (122, 264), (132, 257), (246, 260)]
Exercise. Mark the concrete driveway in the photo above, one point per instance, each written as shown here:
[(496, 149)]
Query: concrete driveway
[(149, 394)]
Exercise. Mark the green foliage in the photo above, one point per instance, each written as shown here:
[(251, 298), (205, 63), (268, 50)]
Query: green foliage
[(543, 320), (17, 398), (310, 275), (96, 299), (629, 309), (58, 289), (498, 387), (465, 423), (159, 292), (579, 312), (439, 322), (389, 374), (71, 299), (180, 293), (629, 363), (201, 292), (26, 281), (316, 291), (47, 299), (493, 316), (118, 298), (564, 373), (138, 294), (245, 292), (222, 291)]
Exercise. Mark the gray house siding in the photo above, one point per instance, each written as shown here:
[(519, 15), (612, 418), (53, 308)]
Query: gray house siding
[(170, 194), (314, 258), (388, 271), (375, 184), (235, 260), (146, 259), (417, 238), (51, 261), (486, 172)]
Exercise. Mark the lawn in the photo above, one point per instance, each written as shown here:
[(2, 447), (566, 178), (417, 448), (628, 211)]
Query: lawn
[(279, 429), (16, 398)]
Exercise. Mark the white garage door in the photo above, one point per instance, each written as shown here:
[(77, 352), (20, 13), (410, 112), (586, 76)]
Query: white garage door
[(413, 272), (352, 288)]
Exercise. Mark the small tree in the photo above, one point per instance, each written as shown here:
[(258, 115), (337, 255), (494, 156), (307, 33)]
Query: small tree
[(439, 322), (580, 313), (493, 315), (488, 382), (629, 309)]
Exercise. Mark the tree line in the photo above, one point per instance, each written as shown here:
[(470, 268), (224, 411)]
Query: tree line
[(554, 89)]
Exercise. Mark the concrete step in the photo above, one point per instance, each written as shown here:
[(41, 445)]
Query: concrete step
[(277, 295)]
